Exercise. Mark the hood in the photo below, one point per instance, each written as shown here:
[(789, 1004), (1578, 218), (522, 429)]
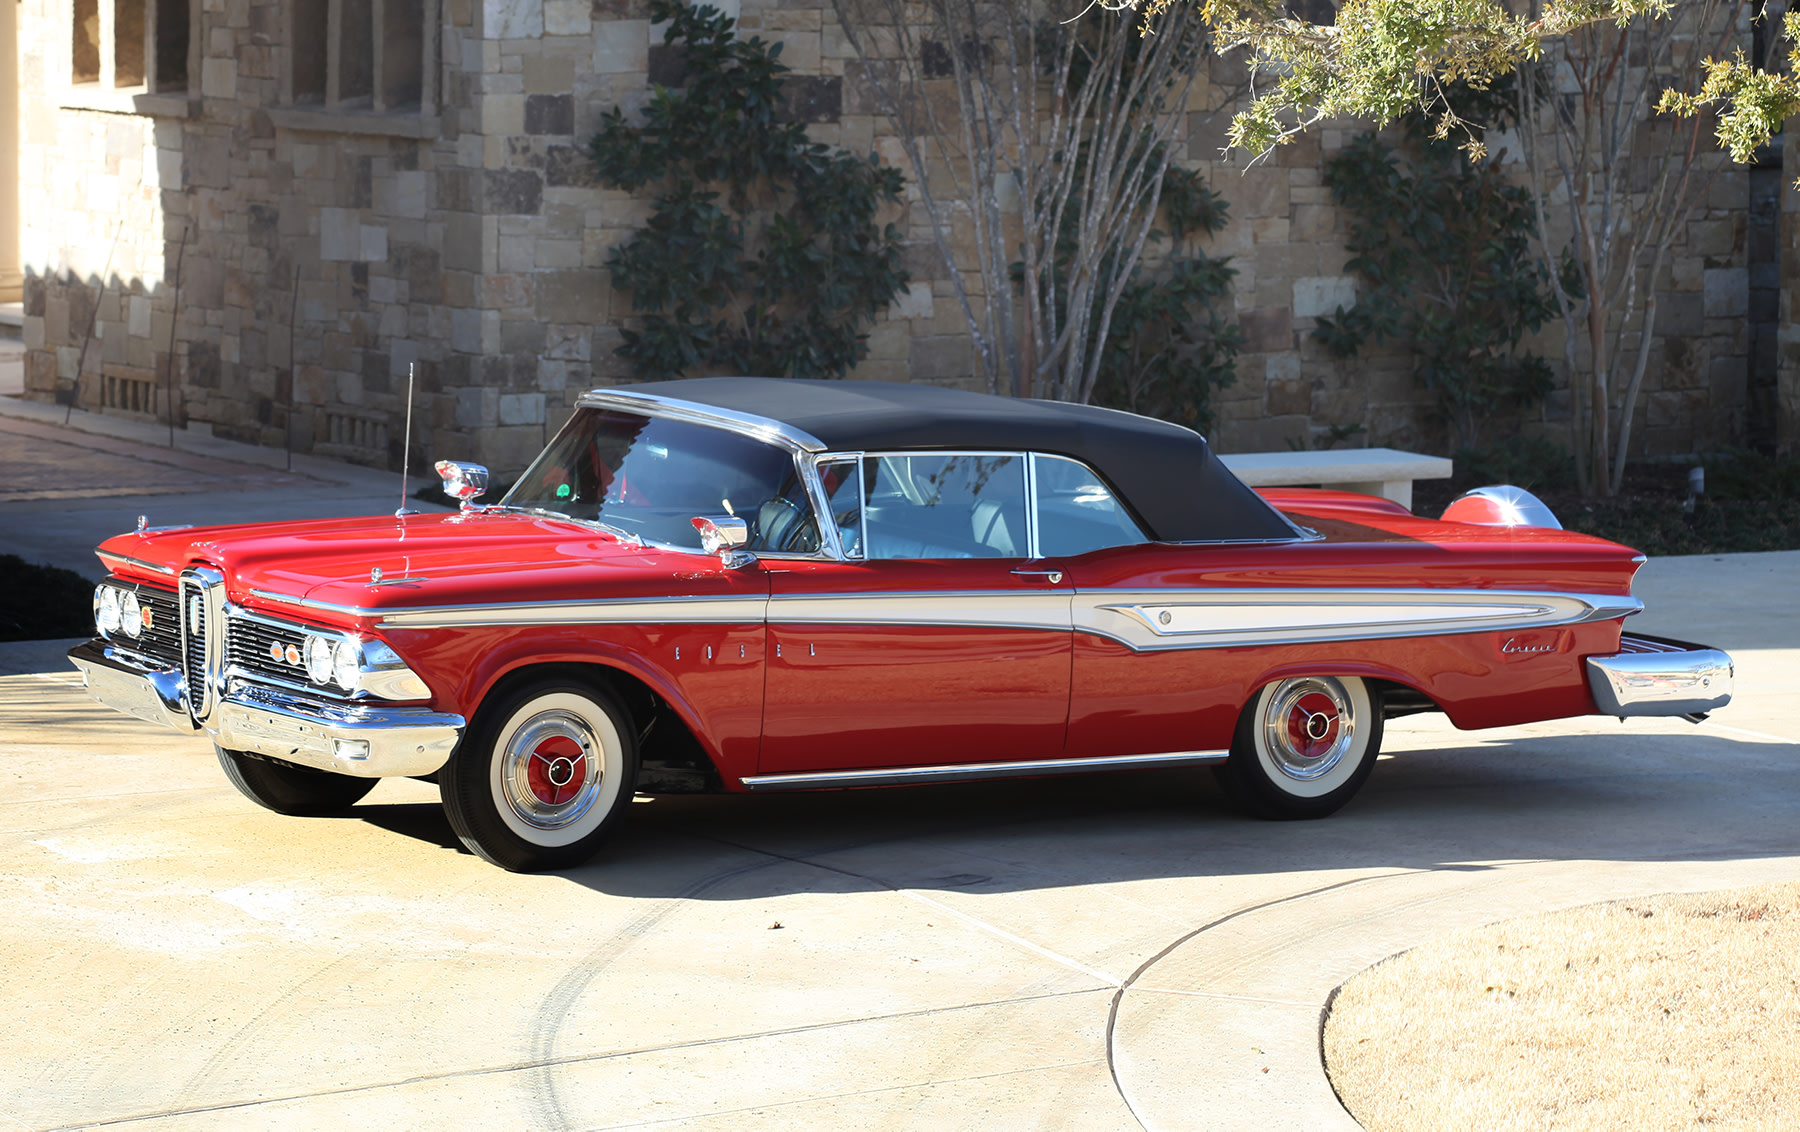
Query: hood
[(425, 560)]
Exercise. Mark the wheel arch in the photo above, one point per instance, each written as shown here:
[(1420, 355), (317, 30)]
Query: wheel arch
[(673, 753), (1380, 678), (1399, 693)]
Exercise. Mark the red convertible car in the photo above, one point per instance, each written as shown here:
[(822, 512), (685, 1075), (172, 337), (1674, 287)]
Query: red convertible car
[(747, 584)]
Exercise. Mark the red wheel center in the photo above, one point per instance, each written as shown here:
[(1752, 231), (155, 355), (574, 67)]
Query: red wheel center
[(557, 770), (1312, 724)]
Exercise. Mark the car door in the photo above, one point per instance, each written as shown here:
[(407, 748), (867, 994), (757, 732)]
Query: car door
[(939, 640), (1124, 701)]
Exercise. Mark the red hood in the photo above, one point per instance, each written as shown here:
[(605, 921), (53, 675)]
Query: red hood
[(424, 560)]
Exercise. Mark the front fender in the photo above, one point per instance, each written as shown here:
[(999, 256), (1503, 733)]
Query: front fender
[(711, 676)]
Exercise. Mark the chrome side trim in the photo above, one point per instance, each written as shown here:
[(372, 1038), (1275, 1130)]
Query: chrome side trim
[(972, 772), (142, 564), (656, 405), (1152, 620), (309, 603), (633, 611), (1650, 676), (1221, 618), (999, 609)]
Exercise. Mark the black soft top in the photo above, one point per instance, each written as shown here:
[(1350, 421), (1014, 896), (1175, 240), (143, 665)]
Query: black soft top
[(1166, 474)]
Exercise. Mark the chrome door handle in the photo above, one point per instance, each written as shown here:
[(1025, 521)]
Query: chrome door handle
[(1054, 576)]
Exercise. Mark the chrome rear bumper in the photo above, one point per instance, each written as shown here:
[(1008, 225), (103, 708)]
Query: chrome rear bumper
[(1652, 676), (364, 740)]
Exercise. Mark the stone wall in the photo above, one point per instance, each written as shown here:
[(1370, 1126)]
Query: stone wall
[(305, 260), (93, 231)]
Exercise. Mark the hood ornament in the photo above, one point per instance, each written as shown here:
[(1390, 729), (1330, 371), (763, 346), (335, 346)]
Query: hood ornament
[(376, 578)]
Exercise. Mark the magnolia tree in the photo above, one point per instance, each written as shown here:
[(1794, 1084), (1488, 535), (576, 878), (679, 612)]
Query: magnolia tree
[(1613, 184)]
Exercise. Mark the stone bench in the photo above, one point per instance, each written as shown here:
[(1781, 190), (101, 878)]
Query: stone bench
[(1387, 472)]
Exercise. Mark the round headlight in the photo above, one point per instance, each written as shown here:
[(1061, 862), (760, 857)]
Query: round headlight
[(318, 659), (346, 664), (106, 609), (131, 618)]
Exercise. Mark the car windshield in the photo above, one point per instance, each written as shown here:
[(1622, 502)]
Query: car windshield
[(649, 477)]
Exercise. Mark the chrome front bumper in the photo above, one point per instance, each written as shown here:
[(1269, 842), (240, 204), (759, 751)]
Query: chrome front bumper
[(364, 740), (134, 684), (1652, 676)]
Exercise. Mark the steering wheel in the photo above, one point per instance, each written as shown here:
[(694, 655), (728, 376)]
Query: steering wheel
[(778, 523)]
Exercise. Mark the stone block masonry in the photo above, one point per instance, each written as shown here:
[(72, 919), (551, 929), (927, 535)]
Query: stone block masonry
[(281, 258)]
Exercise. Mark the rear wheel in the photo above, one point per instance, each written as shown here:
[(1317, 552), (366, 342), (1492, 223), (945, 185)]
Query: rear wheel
[(542, 777), (1303, 747), (287, 789)]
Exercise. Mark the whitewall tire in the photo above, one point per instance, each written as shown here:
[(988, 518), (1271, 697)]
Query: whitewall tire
[(1304, 746), (542, 777)]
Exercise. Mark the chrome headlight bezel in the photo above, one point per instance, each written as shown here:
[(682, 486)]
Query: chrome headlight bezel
[(107, 613), (343, 663), (317, 657), (346, 664), (131, 615)]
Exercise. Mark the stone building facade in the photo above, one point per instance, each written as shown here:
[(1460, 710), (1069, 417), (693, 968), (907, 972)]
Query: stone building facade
[(255, 216)]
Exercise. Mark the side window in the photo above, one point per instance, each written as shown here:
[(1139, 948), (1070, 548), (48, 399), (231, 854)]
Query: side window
[(843, 495), (943, 506), (784, 522), (1076, 512)]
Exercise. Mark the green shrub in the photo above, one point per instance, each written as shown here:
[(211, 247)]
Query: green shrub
[(761, 255), (43, 603)]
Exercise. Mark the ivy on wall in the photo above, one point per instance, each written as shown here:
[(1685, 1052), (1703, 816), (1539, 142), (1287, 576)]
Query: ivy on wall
[(762, 255), (1442, 245)]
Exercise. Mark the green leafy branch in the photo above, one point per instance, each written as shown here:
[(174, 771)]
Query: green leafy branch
[(1384, 59), (1754, 102)]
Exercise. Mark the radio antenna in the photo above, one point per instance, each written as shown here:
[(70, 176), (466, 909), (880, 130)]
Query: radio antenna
[(412, 372)]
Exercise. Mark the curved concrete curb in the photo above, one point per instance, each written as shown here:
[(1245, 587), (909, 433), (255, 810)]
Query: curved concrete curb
[(1233, 1013)]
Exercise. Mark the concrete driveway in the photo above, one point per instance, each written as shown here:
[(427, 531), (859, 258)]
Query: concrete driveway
[(1089, 954)]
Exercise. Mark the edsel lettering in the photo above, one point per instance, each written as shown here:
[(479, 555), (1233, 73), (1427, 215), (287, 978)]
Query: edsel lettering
[(1512, 645)]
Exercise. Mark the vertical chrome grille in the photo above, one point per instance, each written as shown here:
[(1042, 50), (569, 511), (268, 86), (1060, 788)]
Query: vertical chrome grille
[(202, 596)]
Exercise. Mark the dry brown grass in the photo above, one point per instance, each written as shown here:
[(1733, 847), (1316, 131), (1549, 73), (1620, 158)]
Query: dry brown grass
[(1668, 1012)]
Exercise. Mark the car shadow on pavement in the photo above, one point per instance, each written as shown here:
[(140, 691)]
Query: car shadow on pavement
[(421, 821), (1630, 797)]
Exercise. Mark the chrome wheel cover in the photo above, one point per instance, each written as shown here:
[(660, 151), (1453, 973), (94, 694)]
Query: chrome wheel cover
[(552, 769), (1308, 725)]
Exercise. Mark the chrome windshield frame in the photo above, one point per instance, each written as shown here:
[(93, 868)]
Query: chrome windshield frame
[(656, 405), (801, 447)]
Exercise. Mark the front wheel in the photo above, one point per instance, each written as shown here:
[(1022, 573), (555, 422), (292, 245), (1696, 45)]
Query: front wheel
[(294, 790), (1303, 747), (542, 777)]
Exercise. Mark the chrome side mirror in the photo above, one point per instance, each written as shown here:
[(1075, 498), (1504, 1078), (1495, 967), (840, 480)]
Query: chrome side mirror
[(463, 482), (724, 535)]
